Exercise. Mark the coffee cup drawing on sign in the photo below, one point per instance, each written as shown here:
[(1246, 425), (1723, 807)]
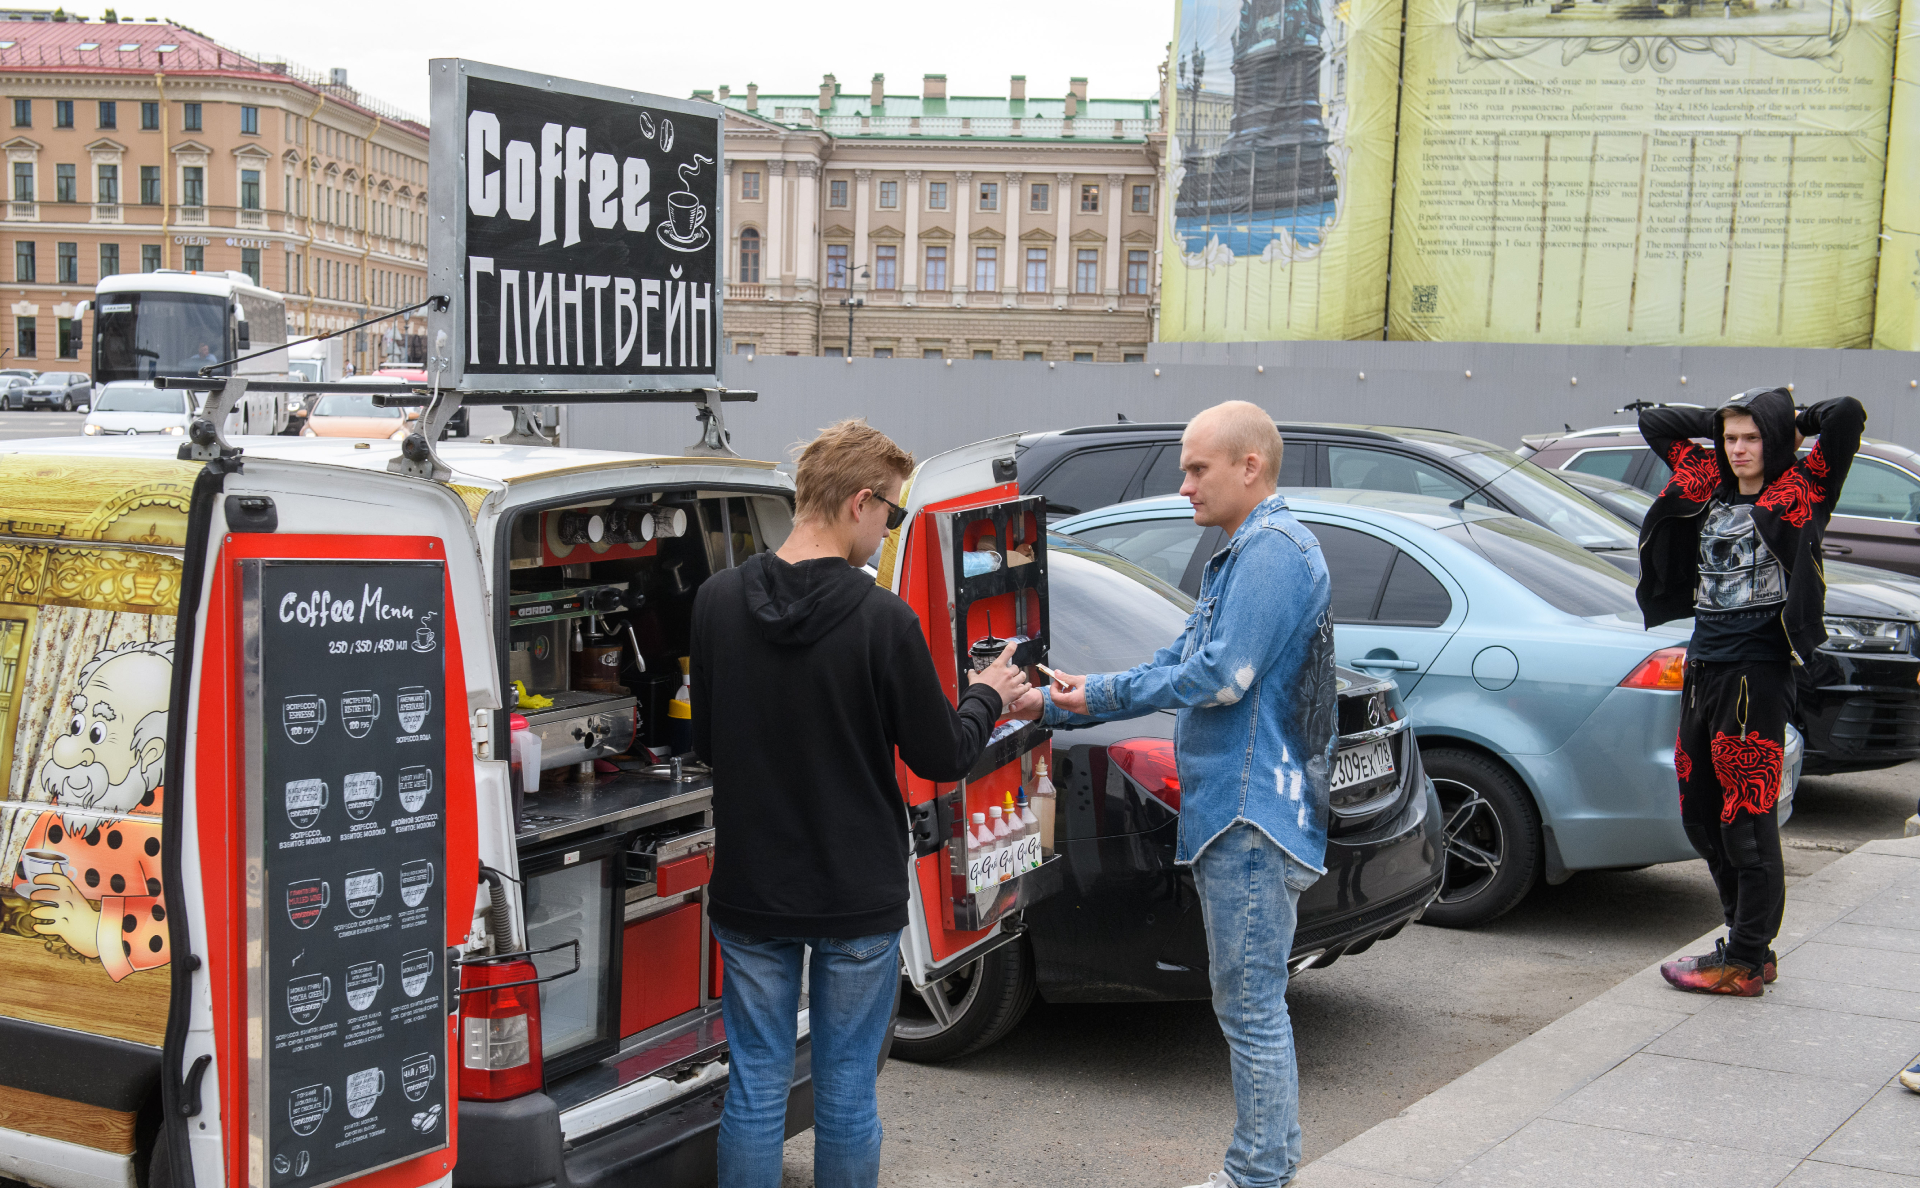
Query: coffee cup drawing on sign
[(416, 967), (415, 783), (307, 996), (306, 899), (416, 878), (307, 1108), (302, 715), (416, 1075), (359, 793), (33, 864), (364, 982), (358, 711), (413, 703), (685, 227), (364, 1089), (363, 889), (306, 799)]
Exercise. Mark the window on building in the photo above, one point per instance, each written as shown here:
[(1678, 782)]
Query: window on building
[(889, 195), (1033, 356), (109, 259), (109, 114), (836, 266), (886, 264), (932, 353), (1139, 274), (1089, 199), (149, 117), (983, 354), (1039, 195), (1083, 356), (190, 117), (750, 186), (1036, 270), (1086, 270), (1134, 357), (193, 185), (68, 332), (250, 263), (834, 352), (249, 189), (986, 270), (193, 258), (749, 257), (989, 195), (23, 181), (936, 270), (23, 113), (150, 185), (24, 264), (1143, 200), (883, 352), (250, 121), (106, 184), (936, 195), (25, 345), (63, 113), (66, 183), (67, 261), (836, 193), (149, 257)]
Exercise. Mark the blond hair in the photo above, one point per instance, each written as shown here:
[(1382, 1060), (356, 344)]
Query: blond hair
[(848, 457), (1241, 428)]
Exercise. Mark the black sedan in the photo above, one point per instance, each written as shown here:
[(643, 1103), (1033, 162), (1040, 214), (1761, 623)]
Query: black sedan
[(1127, 927), (64, 390)]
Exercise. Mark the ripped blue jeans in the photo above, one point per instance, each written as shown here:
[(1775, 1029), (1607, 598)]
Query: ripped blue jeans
[(850, 995), (1249, 896)]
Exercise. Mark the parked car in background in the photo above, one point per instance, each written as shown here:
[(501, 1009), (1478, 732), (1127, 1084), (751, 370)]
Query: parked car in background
[(1876, 521), (25, 373), (1127, 926), (1545, 711), (64, 390), (13, 390), (130, 408), (354, 414)]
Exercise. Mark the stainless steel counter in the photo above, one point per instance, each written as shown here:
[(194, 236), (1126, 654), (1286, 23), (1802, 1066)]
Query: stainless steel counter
[(623, 800)]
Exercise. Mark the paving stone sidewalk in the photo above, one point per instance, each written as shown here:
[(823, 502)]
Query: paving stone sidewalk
[(1646, 1085)]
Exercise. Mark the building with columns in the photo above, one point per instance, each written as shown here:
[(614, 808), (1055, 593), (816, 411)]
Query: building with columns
[(1004, 227)]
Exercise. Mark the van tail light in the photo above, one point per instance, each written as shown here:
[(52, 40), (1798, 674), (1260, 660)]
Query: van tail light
[(499, 1030), (1149, 761), (1665, 669)]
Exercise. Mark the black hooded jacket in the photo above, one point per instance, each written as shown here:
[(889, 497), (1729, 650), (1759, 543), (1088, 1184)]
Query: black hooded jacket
[(805, 679), (1790, 514)]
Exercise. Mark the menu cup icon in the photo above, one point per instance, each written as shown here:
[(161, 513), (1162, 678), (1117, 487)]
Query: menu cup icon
[(306, 996), (413, 703), (364, 982), (305, 800), (415, 783), (415, 968), (359, 792), (416, 877), (307, 1108), (302, 715), (364, 889), (306, 899), (358, 710), (33, 864), (363, 1089), (416, 1075)]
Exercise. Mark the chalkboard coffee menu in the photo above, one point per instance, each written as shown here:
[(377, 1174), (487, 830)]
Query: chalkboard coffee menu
[(345, 700)]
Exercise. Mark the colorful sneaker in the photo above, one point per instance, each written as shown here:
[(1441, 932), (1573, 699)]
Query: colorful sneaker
[(1911, 1078), (1714, 973), (1771, 972)]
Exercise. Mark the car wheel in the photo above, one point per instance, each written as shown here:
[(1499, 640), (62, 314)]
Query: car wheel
[(981, 1003), (66, 405), (1492, 833)]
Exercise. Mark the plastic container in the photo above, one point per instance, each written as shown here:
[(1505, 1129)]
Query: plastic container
[(979, 561), (1043, 805), (523, 765), (1002, 845), (979, 851), (1030, 825)]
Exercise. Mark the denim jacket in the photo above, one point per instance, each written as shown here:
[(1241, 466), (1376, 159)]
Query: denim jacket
[(1252, 679)]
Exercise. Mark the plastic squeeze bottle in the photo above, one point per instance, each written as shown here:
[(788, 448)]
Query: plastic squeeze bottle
[(1018, 832), (1002, 845), (1031, 824), (979, 852)]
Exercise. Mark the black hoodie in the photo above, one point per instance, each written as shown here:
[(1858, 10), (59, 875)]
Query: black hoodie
[(1790, 514), (805, 679)]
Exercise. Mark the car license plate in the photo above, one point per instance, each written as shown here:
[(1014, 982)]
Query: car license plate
[(1357, 765)]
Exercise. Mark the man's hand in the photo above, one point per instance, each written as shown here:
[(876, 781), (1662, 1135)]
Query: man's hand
[(1028, 708), (1069, 692), (61, 910), (1003, 678)]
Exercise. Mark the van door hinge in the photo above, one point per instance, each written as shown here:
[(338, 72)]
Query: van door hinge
[(190, 1091)]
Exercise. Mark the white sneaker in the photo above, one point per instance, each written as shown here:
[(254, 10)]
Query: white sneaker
[(1216, 1180)]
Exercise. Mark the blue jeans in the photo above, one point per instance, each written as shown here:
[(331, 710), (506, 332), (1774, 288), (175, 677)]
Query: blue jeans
[(850, 998), (1249, 895)]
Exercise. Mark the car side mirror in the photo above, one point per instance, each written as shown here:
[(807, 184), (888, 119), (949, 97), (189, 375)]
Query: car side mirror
[(85, 408)]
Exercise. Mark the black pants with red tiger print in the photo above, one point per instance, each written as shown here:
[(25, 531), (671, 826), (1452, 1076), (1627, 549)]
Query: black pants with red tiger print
[(1728, 756)]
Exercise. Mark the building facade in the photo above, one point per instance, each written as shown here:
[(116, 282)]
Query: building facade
[(930, 226), (132, 147)]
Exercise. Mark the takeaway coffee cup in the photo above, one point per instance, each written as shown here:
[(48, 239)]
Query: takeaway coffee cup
[(307, 1108), (416, 878), (306, 899), (364, 889), (413, 703), (306, 996), (359, 793), (416, 1075), (33, 864), (302, 715), (415, 968), (415, 783), (305, 801), (358, 711), (363, 1089), (687, 215), (364, 982)]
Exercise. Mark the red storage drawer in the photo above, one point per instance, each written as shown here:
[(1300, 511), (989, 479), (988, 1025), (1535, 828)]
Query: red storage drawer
[(684, 874), (660, 968)]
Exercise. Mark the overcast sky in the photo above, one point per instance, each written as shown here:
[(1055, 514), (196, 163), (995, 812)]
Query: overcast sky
[(671, 49)]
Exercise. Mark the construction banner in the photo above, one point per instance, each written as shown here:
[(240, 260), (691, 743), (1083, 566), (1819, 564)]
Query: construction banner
[(1897, 316)]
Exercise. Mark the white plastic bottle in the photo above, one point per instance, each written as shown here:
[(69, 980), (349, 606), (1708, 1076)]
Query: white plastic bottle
[(1002, 845), (1017, 832), (979, 852), (1030, 824)]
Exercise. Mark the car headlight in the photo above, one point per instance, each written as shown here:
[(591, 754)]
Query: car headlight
[(90, 430), (1845, 634), (174, 430), (398, 435)]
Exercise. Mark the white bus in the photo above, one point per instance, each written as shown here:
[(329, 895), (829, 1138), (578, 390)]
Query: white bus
[(152, 324)]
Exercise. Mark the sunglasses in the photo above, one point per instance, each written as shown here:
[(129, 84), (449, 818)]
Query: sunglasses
[(896, 515)]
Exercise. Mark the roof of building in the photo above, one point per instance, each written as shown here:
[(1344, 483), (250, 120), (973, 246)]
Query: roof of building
[(76, 45), (984, 117)]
